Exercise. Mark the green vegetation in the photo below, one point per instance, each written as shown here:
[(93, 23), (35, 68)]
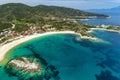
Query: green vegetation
[(20, 28), (4, 25), (19, 19), (113, 28), (17, 11)]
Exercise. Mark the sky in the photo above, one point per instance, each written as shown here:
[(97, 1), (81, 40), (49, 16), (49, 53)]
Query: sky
[(77, 4)]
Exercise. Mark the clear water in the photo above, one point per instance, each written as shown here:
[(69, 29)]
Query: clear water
[(74, 59)]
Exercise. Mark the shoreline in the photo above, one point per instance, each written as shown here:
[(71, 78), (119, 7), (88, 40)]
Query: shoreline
[(88, 37), (110, 30), (6, 47)]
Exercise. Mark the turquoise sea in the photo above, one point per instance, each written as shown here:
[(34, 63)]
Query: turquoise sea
[(73, 57)]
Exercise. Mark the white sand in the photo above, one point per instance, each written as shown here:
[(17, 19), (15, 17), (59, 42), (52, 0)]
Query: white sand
[(5, 48)]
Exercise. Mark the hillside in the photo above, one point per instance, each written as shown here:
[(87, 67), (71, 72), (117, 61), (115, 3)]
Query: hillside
[(20, 11)]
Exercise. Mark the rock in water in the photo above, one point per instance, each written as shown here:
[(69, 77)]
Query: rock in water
[(31, 68)]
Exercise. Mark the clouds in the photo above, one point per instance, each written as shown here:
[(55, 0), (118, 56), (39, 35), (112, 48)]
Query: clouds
[(79, 4)]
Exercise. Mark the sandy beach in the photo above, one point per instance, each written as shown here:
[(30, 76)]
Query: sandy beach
[(6, 47)]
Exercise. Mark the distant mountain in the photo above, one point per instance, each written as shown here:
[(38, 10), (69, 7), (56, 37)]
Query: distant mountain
[(115, 10), (13, 11)]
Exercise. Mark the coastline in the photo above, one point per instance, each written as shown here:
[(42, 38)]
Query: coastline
[(110, 30), (6, 47)]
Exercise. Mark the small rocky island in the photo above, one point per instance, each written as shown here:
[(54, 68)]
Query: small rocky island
[(31, 68)]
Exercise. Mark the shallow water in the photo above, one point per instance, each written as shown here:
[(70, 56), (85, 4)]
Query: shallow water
[(74, 59)]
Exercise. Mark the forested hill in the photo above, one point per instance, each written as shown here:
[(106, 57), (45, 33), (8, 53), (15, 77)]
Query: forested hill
[(13, 11)]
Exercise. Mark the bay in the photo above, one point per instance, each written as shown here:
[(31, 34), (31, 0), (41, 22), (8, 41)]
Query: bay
[(75, 59)]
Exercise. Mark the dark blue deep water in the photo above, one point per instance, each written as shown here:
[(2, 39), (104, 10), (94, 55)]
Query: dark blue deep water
[(74, 58), (114, 20)]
